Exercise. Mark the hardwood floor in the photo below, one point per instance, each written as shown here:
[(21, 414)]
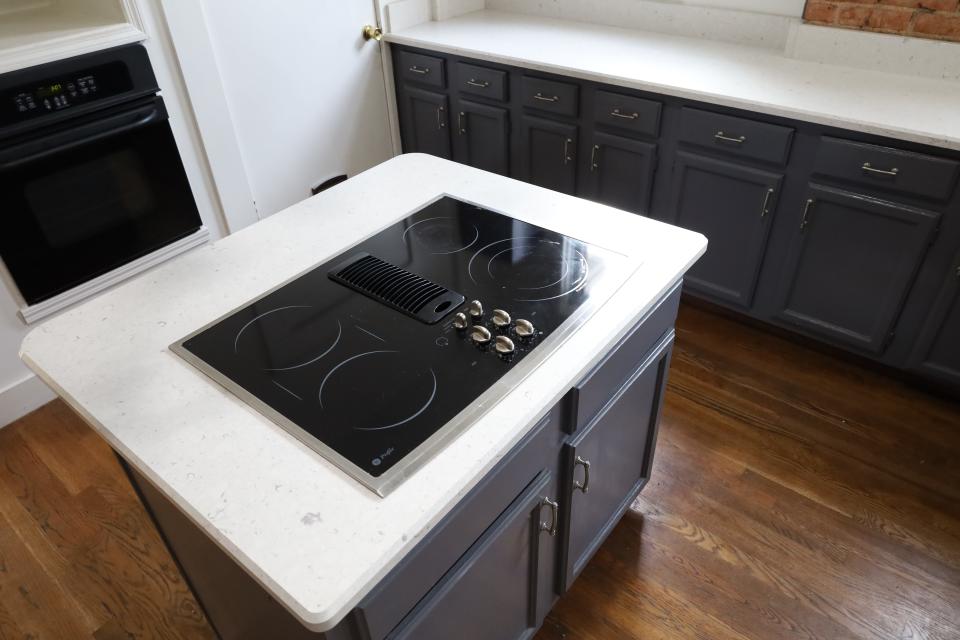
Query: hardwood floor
[(794, 495)]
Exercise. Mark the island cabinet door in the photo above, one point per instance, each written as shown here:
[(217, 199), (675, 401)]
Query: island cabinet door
[(609, 462), (481, 136), (733, 205), (425, 122), (620, 172), (502, 587), (851, 263), (548, 154), (936, 352)]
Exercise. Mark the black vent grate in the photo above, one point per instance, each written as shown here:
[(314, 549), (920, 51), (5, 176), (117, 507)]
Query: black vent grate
[(396, 287)]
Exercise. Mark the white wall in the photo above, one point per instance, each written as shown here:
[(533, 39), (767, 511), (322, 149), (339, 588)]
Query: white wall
[(20, 390)]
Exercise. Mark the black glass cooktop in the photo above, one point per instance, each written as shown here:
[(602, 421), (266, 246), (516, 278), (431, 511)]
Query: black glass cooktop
[(343, 358)]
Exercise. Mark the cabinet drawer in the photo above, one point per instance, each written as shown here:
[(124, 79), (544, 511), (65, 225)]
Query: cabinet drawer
[(627, 112), (737, 136), (416, 67), (397, 594), (481, 81), (886, 168), (589, 396), (549, 95), (491, 592)]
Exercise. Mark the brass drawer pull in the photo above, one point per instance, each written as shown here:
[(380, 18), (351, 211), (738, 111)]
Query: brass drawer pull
[(550, 527), (440, 123), (719, 135), (424, 71), (566, 150), (593, 158), (585, 485), (460, 122), (765, 209), (626, 116), (886, 172), (473, 82), (540, 96)]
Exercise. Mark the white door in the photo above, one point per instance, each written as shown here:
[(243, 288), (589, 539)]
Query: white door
[(304, 91)]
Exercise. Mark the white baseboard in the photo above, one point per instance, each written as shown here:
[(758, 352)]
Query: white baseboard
[(20, 398)]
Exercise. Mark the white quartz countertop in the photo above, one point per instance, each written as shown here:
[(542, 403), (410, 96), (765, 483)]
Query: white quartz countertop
[(313, 537), (910, 108)]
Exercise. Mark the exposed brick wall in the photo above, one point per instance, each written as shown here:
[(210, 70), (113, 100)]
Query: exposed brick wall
[(939, 19)]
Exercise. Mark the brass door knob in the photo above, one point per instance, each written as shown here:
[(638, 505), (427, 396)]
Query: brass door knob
[(371, 32)]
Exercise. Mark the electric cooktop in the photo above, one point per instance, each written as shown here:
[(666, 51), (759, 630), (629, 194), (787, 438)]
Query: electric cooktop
[(379, 356)]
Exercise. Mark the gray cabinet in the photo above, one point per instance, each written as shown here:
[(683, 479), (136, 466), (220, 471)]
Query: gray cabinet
[(608, 463), (492, 593), (548, 150), (937, 350), (425, 116), (621, 172), (482, 136), (733, 205), (850, 265)]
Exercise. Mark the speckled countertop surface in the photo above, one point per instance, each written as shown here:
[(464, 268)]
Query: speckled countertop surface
[(910, 108), (314, 538)]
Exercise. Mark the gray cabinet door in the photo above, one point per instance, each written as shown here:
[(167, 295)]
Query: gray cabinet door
[(850, 265), (733, 205), (621, 172), (937, 350), (482, 136), (492, 592), (608, 464), (425, 122), (548, 151)]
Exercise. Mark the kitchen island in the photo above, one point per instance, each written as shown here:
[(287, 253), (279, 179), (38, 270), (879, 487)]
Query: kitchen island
[(274, 539)]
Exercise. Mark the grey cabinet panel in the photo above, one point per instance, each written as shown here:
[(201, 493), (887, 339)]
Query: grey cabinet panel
[(482, 81), (549, 95), (426, 118), (850, 265), (549, 153), (627, 112), (733, 206), (482, 137), (937, 350), (887, 169), (416, 67), (741, 137), (492, 592), (607, 464), (621, 172)]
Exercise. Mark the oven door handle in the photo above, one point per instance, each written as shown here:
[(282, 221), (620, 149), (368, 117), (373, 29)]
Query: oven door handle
[(107, 126)]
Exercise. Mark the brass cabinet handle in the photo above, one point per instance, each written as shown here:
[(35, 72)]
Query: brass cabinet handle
[(424, 71), (473, 82), (585, 485), (460, 122), (806, 212), (440, 123), (566, 150), (593, 158), (719, 135), (626, 116), (540, 96), (885, 172), (765, 209), (550, 527)]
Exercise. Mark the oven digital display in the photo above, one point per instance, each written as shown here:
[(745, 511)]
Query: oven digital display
[(49, 90)]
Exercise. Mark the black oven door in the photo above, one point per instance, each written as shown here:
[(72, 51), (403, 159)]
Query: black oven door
[(90, 195)]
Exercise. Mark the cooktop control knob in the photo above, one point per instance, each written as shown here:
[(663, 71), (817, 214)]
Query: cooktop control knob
[(475, 309), (480, 335), (524, 328), (501, 318), (460, 321), (504, 345)]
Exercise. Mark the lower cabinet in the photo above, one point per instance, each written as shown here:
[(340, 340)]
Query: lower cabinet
[(621, 172), (482, 136), (851, 263), (733, 205), (937, 349), (425, 116), (608, 463), (493, 591), (549, 152)]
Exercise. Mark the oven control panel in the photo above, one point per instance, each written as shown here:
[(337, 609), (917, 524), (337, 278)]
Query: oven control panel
[(55, 94)]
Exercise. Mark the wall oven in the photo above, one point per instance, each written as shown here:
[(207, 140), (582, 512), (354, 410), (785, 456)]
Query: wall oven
[(90, 175)]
